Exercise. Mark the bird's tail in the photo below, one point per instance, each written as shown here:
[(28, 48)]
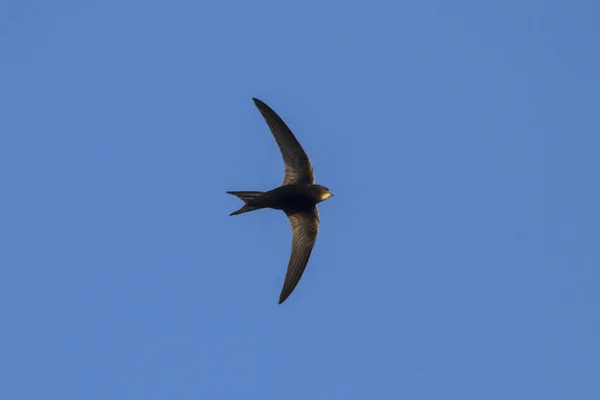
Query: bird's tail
[(247, 198)]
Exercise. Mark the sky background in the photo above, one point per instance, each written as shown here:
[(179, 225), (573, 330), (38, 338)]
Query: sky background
[(459, 258)]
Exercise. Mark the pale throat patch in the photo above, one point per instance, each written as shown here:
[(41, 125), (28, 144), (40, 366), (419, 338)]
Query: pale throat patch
[(325, 196)]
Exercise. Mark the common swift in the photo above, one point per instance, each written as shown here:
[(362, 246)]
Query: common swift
[(297, 197)]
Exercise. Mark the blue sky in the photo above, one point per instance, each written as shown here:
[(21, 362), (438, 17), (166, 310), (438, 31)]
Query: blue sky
[(458, 259)]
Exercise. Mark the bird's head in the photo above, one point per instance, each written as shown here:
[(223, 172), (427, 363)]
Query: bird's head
[(323, 193)]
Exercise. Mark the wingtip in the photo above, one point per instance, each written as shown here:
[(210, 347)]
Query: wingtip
[(283, 297)]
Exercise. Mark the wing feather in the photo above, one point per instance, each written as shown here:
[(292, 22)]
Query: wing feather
[(298, 168), (305, 228)]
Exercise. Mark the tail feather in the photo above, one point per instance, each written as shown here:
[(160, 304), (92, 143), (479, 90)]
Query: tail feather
[(246, 197), (244, 209)]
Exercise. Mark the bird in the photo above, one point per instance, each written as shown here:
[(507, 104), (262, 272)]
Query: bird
[(297, 197)]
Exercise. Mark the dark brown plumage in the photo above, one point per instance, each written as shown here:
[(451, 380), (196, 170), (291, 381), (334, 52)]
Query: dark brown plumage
[(297, 197)]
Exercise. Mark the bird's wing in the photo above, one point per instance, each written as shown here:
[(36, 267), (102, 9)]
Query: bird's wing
[(305, 227), (298, 168)]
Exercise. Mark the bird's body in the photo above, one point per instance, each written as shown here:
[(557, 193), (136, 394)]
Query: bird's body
[(288, 198), (297, 197)]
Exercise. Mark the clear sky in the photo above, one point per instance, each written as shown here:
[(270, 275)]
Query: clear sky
[(459, 258)]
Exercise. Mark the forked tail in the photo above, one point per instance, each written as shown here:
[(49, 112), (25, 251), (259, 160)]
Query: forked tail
[(247, 198)]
